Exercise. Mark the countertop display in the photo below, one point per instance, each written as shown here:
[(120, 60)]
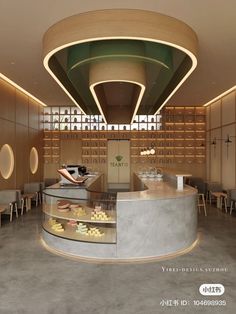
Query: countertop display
[(154, 221)]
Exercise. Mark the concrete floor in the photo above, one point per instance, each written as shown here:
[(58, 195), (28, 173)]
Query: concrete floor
[(34, 281)]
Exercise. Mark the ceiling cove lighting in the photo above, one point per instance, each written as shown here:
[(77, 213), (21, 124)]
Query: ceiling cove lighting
[(228, 91), (6, 79), (119, 63)]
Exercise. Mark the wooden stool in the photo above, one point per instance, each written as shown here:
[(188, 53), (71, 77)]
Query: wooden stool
[(12, 206), (201, 203), (28, 197), (231, 206), (2, 209), (24, 204), (223, 198)]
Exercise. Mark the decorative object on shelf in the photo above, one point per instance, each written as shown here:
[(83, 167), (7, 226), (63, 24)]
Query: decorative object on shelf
[(82, 229), (56, 226), (72, 223), (94, 231), (148, 151), (79, 211), (101, 215)]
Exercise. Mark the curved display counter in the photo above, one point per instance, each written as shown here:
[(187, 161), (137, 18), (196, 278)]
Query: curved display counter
[(157, 221)]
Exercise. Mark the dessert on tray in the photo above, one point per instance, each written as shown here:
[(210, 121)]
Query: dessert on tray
[(101, 215)]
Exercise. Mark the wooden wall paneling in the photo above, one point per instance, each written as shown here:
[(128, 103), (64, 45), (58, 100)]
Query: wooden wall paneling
[(71, 151), (34, 141), (34, 113), (235, 133), (208, 118), (215, 157), (8, 137), (22, 156), (22, 108), (50, 171), (215, 121), (228, 159), (7, 101), (221, 142), (208, 155), (228, 109), (40, 152)]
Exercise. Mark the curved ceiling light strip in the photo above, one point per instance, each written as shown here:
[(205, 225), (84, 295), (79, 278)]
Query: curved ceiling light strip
[(92, 29), (129, 76)]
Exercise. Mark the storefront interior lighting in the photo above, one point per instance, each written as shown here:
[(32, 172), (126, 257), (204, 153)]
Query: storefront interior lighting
[(220, 96), (2, 76), (148, 151)]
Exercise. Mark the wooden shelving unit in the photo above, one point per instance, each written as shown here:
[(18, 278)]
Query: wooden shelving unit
[(177, 134)]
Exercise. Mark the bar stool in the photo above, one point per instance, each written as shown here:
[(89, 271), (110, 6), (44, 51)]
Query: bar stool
[(28, 200), (233, 200), (9, 209), (201, 202), (223, 199), (24, 203)]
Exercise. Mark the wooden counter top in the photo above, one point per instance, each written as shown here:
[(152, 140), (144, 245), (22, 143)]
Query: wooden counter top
[(156, 190)]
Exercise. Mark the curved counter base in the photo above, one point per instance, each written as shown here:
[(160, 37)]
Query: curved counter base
[(156, 223), (74, 250)]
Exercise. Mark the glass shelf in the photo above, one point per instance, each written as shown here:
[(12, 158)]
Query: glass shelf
[(86, 220)]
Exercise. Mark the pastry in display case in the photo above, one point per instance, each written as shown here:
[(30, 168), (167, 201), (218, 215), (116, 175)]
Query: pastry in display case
[(86, 220)]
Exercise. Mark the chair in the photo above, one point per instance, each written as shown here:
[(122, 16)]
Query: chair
[(201, 202), (232, 199), (199, 183), (212, 188), (32, 192), (8, 202)]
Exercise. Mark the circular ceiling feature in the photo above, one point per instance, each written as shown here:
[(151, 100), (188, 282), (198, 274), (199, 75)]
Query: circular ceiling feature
[(34, 160), (87, 53), (6, 161)]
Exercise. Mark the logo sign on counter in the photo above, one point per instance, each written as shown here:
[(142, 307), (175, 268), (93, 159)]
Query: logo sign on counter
[(213, 289)]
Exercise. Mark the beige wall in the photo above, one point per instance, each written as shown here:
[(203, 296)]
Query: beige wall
[(221, 160), (20, 128)]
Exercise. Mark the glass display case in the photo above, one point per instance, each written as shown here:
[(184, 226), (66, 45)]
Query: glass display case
[(87, 220)]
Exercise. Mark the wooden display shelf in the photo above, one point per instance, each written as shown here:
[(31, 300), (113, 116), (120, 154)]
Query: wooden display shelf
[(180, 127), (70, 233), (51, 210)]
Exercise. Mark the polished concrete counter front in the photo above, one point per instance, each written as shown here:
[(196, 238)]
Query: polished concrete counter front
[(156, 222)]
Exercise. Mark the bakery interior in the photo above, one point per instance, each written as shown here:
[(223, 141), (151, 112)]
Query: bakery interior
[(117, 155)]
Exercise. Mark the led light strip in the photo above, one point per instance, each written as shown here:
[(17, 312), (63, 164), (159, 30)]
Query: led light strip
[(141, 260), (91, 87), (138, 25), (51, 53), (220, 96), (21, 89)]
